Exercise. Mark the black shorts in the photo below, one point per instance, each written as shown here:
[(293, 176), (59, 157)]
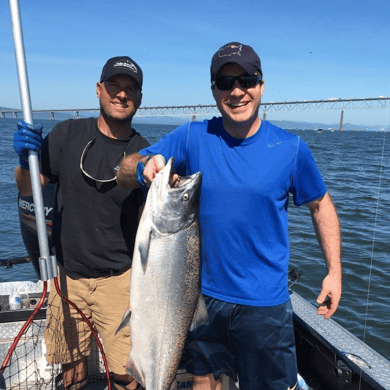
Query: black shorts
[(254, 343)]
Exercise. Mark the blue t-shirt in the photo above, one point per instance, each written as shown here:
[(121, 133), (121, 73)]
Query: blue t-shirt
[(243, 205)]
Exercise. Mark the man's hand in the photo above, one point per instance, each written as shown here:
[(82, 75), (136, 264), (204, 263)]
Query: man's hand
[(139, 171), (329, 297), (26, 138), (154, 166)]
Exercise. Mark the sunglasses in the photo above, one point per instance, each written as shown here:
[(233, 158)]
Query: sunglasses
[(83, 155), (226, 83)]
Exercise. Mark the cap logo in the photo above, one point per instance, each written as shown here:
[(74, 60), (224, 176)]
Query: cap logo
[(228, 51), (129, 65)]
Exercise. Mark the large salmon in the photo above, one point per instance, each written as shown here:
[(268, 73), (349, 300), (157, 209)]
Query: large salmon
[(165, 291)]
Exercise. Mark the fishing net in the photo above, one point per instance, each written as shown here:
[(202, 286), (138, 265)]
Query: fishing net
[(27, 367), (25, 350)]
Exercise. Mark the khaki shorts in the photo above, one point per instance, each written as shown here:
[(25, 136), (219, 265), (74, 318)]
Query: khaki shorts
[(103, 301)]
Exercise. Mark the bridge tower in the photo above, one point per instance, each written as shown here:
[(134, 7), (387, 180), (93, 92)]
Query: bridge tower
[(264, 115), (341, 120), (51, 115)]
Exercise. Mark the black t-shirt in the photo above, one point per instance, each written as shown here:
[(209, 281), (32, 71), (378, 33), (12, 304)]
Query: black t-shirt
[(94, 223)]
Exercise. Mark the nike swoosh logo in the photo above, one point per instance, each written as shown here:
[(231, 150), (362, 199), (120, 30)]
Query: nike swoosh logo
[(271, 146)]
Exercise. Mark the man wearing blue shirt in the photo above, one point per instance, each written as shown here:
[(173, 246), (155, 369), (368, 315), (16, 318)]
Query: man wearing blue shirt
[(249, 168)]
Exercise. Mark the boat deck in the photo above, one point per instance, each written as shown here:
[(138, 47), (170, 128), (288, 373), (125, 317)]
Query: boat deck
[(322, 350), (374, 367)]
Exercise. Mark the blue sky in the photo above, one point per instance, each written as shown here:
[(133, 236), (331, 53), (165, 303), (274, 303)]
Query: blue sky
[(309, 50)]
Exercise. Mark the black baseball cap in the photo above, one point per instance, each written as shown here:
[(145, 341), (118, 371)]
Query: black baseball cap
[(235, 53), (122, 65)]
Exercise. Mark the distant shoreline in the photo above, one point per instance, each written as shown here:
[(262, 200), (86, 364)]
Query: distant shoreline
[(177, 121)]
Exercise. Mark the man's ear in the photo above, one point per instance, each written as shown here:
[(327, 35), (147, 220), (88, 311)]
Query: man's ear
[(140, 100), (98, 89)]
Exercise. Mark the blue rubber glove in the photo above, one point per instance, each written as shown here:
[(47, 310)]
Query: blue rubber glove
[(26, 138)]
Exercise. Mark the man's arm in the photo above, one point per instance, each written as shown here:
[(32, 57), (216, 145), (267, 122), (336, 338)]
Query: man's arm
[(127, 175), (327, 228), (127, 172), (23, 181)]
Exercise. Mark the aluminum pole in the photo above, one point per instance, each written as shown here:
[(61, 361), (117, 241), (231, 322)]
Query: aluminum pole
[(28, 117)]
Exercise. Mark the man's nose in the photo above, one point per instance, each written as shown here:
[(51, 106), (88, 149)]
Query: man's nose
[(237, 89), (122, 94)]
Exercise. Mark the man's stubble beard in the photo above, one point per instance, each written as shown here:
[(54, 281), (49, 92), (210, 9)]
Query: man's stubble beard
[(109, 117)]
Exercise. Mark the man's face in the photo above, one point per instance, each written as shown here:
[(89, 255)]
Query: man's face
[(238, 105), (119, 97)]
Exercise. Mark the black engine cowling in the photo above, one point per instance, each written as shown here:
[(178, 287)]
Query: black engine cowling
[(28, 225)]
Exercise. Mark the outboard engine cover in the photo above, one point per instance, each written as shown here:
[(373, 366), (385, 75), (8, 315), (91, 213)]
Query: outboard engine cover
[(28, 224)]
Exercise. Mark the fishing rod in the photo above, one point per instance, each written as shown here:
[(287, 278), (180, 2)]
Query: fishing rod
[(382, 164), (8, 263), (47, 263)]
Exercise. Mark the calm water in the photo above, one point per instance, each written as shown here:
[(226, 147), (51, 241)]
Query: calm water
[(358, 179)]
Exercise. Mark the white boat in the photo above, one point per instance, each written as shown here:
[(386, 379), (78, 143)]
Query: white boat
[(329, 356)]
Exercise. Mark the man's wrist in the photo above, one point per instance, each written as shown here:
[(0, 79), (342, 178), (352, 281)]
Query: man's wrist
[(140, 173)]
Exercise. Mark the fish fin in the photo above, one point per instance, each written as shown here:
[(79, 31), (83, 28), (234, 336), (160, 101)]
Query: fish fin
[(132, 369), (143, 248), (201, 316), (125, 320)]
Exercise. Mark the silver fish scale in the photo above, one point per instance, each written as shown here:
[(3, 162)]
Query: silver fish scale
[(343, 340), (193, 256), (164, 305)]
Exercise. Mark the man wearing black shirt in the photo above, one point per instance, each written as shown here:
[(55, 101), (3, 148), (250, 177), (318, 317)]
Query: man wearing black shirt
[(94, 224)]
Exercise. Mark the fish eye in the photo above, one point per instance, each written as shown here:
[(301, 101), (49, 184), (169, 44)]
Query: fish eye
[(185, 197)]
